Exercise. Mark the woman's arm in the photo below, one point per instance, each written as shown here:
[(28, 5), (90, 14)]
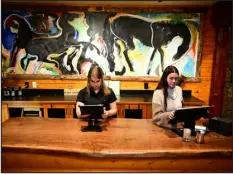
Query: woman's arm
[(160, 117), (112, 111), (78, 112)]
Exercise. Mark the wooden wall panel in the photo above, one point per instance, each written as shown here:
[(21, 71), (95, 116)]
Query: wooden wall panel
[(131, 85), (5, 112)]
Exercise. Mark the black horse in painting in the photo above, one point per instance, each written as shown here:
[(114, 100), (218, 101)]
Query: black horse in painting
[(151, 34)]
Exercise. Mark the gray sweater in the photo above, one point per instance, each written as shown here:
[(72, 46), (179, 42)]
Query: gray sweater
[(159, 114)]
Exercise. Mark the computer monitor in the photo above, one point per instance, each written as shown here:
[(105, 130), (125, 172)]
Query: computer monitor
[(189, 116), (95, 112)]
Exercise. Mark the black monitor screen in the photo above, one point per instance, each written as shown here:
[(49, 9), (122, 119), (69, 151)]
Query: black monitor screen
[(95, 111), (189, 116), (190, 113)]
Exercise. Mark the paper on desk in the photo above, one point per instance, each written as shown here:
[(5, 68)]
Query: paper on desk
[(115, 85)]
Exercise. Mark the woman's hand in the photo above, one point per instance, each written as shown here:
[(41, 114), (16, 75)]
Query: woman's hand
[(105, 114), (78, 112), (80, 104), (171, 115)]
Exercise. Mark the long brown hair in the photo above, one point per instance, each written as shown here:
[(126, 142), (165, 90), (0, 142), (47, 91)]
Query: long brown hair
[(163, 82), (97, 72)]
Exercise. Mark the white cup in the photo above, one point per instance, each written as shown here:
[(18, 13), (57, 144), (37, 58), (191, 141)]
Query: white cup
[(187, 135)]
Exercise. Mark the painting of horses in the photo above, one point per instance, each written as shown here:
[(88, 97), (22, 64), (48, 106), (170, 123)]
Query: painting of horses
[(122, 44)]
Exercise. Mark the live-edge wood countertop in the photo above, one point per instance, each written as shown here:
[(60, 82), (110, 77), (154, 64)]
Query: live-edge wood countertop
[(49, 144), (120, 137)]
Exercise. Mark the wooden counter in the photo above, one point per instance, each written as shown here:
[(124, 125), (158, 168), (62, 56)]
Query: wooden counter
[(137, 145), (69, 103)]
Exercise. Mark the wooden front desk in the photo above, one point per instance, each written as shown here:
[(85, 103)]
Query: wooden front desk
[(33, 144), (69, 103)]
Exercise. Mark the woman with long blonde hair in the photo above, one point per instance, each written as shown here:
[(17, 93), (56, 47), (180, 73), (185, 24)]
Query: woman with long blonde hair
[(97, 92)]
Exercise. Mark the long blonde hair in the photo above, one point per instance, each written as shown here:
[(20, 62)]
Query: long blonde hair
[(97, 72)]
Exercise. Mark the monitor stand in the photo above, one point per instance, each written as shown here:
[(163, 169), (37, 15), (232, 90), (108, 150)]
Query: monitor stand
[(191, 125), (92, 127)]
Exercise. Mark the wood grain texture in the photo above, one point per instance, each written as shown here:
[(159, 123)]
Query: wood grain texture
[(5, 112), (219, 73), (39, 144)]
